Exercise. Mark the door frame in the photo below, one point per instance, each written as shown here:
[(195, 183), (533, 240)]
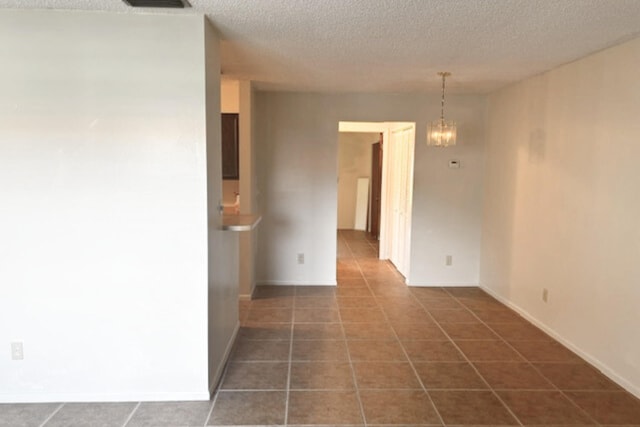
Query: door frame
[(385, 128)]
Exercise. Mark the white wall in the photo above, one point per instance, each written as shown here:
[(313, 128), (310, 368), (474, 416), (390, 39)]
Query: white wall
[(103, 219), (561, 206), (229, 96), (354, 161), (223, 250), (296, 143)]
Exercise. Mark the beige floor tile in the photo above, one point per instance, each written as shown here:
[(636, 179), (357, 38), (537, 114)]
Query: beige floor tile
[(369, 315), (385, 375), (25, 414), (356, 302), (316, 302), (376, 350), (449, 375), (273, 315), (545, 351), (248, 408), (471, 408), (544, 408), (468, 331), (322, 407), (170, 414), (576, 376), (368, 331), (418, 331), (264, 331), (609, 407), (519, 331), (321, 376), (512, 375), (250, 350), (335, 350), (432, 351), (315, 291), (256, 376), (90, 415), (410, 407), (455, 315), (318, 331), (488, 351), (316, 315)]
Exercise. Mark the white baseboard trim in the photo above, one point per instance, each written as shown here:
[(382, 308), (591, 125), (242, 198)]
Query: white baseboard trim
[(103, 397), (441, 285), (247, 297), (223, 363), (606, 370), (297, 283)]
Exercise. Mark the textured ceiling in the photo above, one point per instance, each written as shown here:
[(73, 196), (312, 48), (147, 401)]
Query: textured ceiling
[(397, 45)]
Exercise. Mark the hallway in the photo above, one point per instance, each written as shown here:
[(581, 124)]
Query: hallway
[(375, 351)]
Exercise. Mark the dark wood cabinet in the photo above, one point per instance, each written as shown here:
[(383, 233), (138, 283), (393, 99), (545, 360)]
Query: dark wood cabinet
[(230, 146)]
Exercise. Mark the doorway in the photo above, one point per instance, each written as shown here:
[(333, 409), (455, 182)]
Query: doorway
[(386, 169)]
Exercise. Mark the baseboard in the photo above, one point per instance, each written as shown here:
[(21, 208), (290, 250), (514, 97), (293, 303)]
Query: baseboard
[(297, 283), (223, 363), (103, 397), (247, 297), (441, 285), (606, 370)]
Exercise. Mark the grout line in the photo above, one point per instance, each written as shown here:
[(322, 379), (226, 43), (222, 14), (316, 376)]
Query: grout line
[(213, 403), (131, 415), (406, 355), (52, 414), (526, 360), (490, 388), (288, 389), (353, 370)]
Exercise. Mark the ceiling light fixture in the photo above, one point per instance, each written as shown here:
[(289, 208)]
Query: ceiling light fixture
[(441, 132)]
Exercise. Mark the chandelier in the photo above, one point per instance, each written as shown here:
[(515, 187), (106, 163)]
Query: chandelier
[(441, 132)]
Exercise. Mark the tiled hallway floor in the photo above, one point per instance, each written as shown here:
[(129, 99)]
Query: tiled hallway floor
[(375, 352)]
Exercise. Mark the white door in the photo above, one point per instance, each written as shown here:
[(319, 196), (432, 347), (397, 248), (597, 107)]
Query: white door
[(400, 195)]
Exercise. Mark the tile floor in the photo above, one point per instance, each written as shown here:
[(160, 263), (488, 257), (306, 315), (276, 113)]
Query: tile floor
[(372, 351)]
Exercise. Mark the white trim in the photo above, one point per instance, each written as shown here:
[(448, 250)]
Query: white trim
[(248, 297), (606, 370), (443, 285), (223, 363), (103, 397), (297, 283)]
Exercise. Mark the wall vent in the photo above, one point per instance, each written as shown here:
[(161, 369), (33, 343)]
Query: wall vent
[(169, 4)]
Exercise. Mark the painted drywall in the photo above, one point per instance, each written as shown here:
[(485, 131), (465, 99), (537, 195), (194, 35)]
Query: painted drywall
[(103, 220), (297, 148), (223, 250), (229, 96), (354, 161), (561, 205), (248, 239), (237, 97)]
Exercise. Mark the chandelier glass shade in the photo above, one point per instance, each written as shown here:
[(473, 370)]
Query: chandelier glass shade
[(441, 132)]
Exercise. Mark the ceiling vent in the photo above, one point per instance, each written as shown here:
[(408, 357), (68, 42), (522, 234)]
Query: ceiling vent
[(167, 4)]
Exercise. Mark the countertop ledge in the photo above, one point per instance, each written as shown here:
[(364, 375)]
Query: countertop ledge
[(240, 222)]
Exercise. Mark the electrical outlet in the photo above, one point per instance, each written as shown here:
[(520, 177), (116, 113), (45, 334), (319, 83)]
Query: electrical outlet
[(449, 260), (17, 351), (545, 295), (301, 258)]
